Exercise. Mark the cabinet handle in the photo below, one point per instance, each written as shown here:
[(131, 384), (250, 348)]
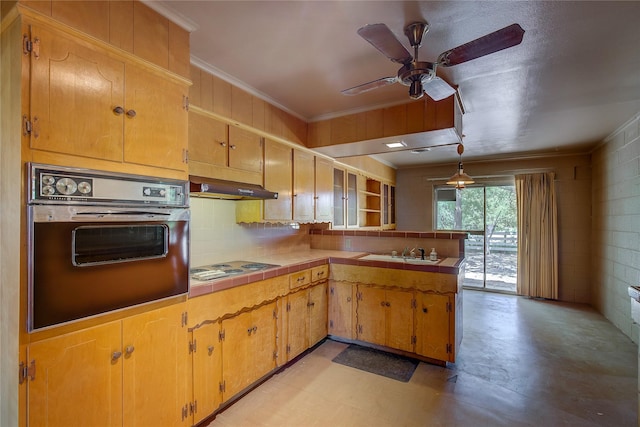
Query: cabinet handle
[(388, 304), (118, 110), (255, 329), (311, 304), (210, 349), (348, 299), (249, 331), (131, 113), (128, 350), (115, 356), (300, 279), (223, 144), (233, 147), (424, 309), (382, 303)]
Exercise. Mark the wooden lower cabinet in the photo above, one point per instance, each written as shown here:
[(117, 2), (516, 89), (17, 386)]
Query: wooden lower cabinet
[(248, 348), (206, 353), (306, 312), (341, 310), (433, 320), (108, 375), (385, 317), (76, 381)]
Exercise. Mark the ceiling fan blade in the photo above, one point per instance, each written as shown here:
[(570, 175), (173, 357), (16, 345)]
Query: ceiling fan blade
[(366, 87), (381, 37), (498, 40), (437, 89)]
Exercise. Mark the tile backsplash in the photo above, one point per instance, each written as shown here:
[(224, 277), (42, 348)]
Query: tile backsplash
[(216, 237)]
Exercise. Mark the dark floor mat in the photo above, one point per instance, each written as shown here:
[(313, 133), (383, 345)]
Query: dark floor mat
[(377, 362)]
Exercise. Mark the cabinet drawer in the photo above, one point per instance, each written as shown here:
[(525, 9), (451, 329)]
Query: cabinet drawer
[(301, 278), (319, 273)]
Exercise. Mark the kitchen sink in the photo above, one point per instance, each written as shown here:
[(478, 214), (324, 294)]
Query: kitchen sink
[(399, 259)]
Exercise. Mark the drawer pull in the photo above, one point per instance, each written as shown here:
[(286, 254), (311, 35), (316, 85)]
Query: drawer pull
[(118, 110), (115, 356), (128, 350), (131, 113)]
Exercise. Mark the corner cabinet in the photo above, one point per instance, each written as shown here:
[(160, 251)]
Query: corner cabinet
[(117, 365), (91, 101)]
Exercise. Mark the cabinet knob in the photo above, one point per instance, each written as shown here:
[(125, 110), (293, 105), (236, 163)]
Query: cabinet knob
[(255, 329), (115, 356), (118, 110), (223, 144), (348, 299), (424, 309), (210, 349), (131, 113), (382, 303), (128, 350), (249, 331), (233, 147), (388, 304)]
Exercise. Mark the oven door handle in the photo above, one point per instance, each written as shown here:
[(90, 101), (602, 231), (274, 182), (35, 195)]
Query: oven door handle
[(142, 214)]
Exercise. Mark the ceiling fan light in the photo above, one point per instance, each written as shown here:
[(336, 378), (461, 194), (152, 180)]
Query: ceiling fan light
[(438, 89), (415, 90)]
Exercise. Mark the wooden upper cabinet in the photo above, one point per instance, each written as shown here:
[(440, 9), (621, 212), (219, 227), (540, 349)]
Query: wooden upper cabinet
[(245, 150), (323, 190), (74, 91), (208, 140), (278, 177), (156, 134), (87, 102), (303, 185)]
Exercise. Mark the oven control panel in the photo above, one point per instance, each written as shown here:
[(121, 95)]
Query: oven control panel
[(55, 184)]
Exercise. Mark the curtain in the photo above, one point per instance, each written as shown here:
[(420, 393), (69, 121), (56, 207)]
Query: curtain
[(537, 235)]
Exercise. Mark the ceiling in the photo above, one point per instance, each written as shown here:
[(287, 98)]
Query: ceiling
[(573, 80)]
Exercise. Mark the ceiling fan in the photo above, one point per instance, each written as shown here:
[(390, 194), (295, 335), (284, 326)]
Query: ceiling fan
[(421, 76)]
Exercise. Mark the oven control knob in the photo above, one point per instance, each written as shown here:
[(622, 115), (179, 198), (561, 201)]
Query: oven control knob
[(48, 190), (48, 179), (66, 186), (163, 192), (146, 191), (84, 187)]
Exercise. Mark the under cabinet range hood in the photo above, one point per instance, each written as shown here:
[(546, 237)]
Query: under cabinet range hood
[(228, 190)]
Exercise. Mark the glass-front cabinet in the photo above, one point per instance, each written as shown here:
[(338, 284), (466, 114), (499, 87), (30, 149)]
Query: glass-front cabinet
[(345, 198)]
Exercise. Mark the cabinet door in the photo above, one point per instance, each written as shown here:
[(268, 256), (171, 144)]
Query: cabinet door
[(399, 319), (207, 140), (303, 185), (339, 198), (352, 200), (77, 382), (245, 150), (341, 310), (156, 121), (278, 177), (236, 354), (317, 313), (371, 315), (206, 370), (74, 90), (263, 341), (155, 367), (324, 190), (297, 323), (432, 326)]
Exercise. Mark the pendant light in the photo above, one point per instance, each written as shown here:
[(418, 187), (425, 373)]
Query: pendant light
[(460, 179)]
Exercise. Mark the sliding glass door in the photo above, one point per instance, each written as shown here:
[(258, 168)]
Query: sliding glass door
[(488, 214)]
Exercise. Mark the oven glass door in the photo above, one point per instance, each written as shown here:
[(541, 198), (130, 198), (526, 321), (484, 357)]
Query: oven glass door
[(104, 244)]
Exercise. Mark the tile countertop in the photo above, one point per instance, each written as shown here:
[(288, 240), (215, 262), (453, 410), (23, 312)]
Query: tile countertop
[(292, 262)]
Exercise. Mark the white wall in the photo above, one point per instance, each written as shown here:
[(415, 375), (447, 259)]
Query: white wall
[(616, 225), (215, 236)]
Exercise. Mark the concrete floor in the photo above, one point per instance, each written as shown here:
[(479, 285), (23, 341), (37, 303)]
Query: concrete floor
[(523, 362)]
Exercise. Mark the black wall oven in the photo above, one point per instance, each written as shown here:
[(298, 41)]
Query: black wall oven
[(101, 241)]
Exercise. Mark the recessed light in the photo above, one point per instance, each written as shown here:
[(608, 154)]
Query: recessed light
[(397, 144)]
